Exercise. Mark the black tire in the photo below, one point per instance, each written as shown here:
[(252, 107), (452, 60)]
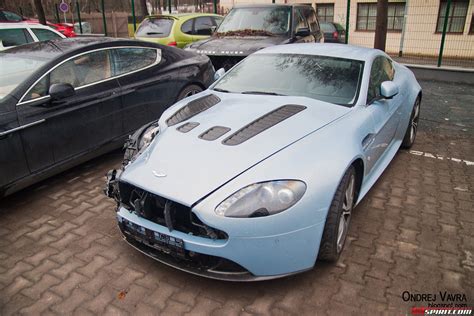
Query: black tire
[(332, 243), (410, 134), (188, 91)]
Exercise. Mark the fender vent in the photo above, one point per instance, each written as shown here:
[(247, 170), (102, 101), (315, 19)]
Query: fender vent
[(214, 133), (262, 123), (193, 108), (186, 127)]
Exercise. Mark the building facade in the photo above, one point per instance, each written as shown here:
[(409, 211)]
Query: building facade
[(414, 26)]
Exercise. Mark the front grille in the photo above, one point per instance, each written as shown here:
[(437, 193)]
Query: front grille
[(225, 62), (165, 212)]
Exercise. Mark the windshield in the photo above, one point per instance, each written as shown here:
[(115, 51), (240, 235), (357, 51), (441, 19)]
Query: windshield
[(334, 80), (266, 20), (15, 69), (151, 27)]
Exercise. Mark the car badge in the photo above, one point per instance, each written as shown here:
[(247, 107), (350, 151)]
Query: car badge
[(159, 174)]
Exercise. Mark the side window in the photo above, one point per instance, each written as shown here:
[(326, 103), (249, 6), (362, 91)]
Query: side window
[(39, 90), (310, 16), (44, 35), (14, 37), (382, 70), (299, 20), (12, 17), (187, 27), (84, 69), (133, 58), (203, 26)]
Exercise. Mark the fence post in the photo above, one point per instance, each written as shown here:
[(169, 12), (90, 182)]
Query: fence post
[(273, 1), (215, 6), (404, 27), (21, 11), (79, 16), (134, 19), (348, 15), (102, 5), (57, 13), (169, 6), (443, 37)]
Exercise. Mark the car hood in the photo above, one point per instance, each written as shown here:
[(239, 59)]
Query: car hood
[(185, 168), (235, 45)]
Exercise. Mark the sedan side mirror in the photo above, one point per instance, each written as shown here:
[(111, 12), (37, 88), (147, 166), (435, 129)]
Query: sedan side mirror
[(388, 89), (219, 73), (303, 32), (59, 91)]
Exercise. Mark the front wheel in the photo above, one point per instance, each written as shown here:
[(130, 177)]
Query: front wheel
[(412, 129), (190, 90), (338, 218)]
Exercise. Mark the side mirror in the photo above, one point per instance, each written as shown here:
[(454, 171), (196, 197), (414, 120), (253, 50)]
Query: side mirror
[(59, 91), (219, 73), (302, 32), (388, 89)]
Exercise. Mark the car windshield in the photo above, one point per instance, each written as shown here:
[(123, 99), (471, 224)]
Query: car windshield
[(329, 79), (256, 21), (155, 27), (15, 69)]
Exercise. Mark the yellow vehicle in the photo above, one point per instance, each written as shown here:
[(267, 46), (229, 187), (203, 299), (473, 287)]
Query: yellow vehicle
[(177, 29)]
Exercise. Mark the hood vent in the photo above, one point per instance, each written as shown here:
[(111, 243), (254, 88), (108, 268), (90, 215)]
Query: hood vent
[(214, 133), (262, 123), (193, 108), (186, 127)]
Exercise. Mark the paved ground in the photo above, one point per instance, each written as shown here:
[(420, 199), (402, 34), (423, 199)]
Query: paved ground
[(61, 253)]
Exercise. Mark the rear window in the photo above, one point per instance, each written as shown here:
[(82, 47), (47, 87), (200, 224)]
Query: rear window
[(327, 27), (159, 27)]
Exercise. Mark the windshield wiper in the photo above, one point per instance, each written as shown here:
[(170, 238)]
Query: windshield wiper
[(221, 90), (262, 92), (153, 33)]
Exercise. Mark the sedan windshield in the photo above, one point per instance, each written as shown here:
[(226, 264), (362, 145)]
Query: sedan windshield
[(15, 69), (267, 20), (329, 79)]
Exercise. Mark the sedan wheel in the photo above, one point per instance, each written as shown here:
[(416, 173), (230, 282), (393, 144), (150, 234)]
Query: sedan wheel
[(412, 129), (189, 91), (338, 218)]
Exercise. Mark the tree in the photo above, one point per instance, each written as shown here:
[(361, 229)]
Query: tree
[(381, 25), (144, 8), (40, 12)]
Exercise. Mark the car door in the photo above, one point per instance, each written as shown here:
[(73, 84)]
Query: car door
[(385, 112), (76, 124), (146, 90), (13, 164)]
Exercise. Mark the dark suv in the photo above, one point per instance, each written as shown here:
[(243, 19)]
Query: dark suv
[(247, 29)]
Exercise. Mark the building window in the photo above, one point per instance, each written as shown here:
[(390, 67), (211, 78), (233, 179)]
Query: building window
[(456, 16), (325, 12), (367, 15)]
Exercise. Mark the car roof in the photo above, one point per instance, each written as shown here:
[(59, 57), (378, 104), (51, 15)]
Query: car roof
[(16, 25), (182, 15), (263, 5), (327, 49), (56, 47)]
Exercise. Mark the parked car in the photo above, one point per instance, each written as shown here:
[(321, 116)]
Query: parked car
[(247, 29), (14, 34), (67, 29), (177, 29), (333, 32), (257, 177), (65, 101)]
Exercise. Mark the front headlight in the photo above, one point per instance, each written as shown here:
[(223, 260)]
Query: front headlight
[(262, 199), (148, 136)]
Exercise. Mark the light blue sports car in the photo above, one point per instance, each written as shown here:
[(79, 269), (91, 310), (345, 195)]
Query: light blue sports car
[(257, 177)]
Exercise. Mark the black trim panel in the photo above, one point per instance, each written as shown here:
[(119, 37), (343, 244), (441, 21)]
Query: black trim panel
[(262, 123)]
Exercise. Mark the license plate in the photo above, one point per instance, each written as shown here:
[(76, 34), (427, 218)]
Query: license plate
[(162, 242)]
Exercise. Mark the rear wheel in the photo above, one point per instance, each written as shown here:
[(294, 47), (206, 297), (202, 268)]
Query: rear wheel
[(338, 218), (189, 91), (412, 129)]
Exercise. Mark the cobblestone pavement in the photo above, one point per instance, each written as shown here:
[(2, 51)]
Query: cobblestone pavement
[(61, 252)]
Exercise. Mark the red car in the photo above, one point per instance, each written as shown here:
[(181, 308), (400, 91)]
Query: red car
[(65, 28)]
